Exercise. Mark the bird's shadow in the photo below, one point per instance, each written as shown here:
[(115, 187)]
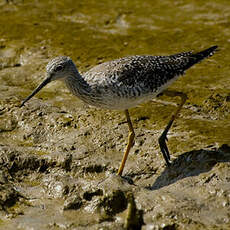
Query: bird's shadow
[(190, 164)]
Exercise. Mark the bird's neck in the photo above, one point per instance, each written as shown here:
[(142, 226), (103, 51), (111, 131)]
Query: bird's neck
[(77, 85)]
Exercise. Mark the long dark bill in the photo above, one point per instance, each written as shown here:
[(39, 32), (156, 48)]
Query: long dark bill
[(44, 83)]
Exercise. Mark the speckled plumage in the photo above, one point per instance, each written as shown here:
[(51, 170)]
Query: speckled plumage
[(122, 83)]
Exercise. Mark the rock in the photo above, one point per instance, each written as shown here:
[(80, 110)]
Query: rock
[(73, 202), (113, 202)]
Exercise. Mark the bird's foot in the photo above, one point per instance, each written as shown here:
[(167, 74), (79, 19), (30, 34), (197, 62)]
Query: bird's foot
[(164, 149)]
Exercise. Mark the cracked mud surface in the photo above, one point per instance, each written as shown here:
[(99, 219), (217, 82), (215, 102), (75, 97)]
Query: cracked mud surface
[(59, 157)]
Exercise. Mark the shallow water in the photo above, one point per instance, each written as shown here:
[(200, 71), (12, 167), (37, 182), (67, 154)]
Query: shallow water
[(56, 148)]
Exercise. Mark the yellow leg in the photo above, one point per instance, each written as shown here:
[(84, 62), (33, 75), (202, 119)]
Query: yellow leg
[(129, 144), (163, 138)]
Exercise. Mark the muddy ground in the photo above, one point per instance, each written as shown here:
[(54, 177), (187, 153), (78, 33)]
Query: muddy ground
[(59, 157)]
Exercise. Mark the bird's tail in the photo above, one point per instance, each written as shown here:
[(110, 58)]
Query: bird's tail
[(197, 57)]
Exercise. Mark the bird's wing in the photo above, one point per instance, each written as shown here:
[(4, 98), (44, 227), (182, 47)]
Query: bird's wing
[(157, 68), (133, 70)]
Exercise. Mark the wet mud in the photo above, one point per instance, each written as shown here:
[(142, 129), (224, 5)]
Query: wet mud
[(59, 157)]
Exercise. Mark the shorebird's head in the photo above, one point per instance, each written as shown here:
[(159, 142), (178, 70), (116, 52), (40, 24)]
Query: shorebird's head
[(57, 69), (60, 68)]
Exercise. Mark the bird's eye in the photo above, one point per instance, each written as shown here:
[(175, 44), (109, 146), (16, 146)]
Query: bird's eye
[(58, 68)]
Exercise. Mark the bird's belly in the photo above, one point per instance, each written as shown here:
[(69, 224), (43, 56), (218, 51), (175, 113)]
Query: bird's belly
[(124, 98), (120, 103), (126, 103)]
